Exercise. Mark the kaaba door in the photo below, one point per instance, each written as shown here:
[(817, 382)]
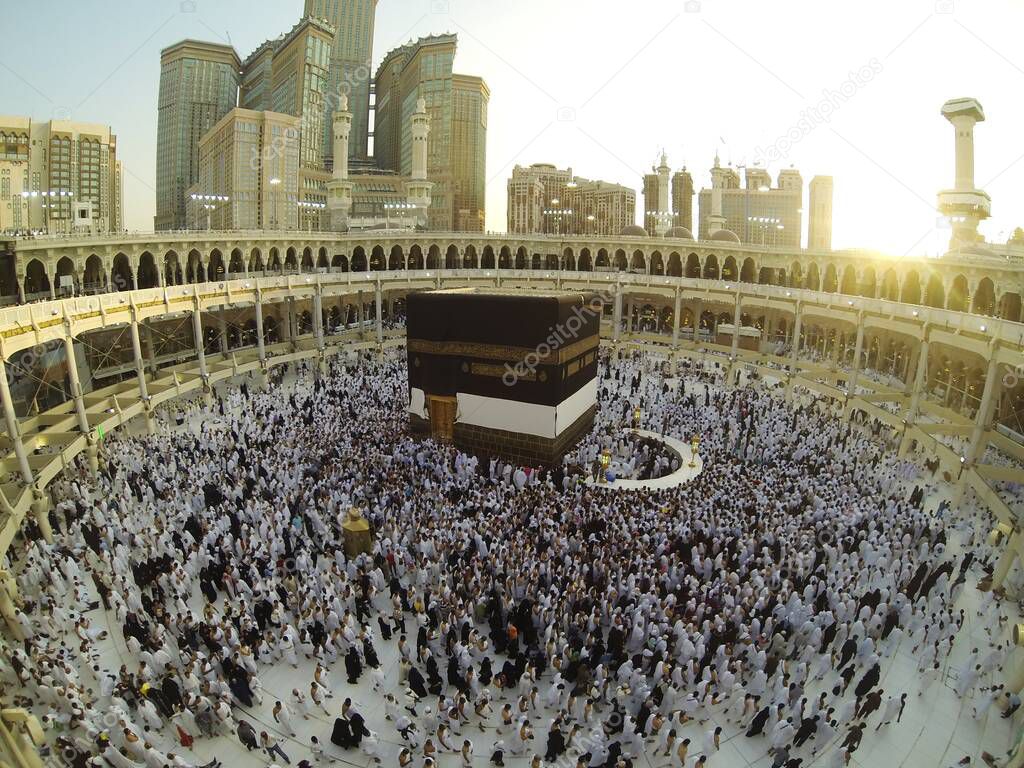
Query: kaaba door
[(442, 417)]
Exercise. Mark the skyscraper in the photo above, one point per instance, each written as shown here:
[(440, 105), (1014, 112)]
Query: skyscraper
[(350, 69), (682, 198), (470, 96), (819, 217), (198, 86), (756, 213), (457, 105)]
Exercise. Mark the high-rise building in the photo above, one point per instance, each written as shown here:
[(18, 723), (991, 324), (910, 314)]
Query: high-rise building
[(658, 214), (59, 176), (248, 173), (299, 81), (756, 213), (350, 68), (682, 199), (198, 86), (599, 207), (457, 106), (255, 90), (470, 97), (819, 215), (535, 192)]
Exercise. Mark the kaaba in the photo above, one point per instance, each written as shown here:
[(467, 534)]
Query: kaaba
[(510, 374)]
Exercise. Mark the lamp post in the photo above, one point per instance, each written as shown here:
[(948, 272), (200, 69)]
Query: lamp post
[(311, 207), (210, 203), (558, 212), (590, 223)]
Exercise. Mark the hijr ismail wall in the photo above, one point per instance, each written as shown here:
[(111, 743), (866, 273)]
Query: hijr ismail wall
[(504, 373)]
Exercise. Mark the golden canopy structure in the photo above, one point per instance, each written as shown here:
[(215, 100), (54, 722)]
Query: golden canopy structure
[(358, 537)]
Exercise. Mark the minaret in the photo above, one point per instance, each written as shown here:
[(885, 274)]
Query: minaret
[(339, 188), (964, 205), (716, 220), (663, 217), (418, 189)]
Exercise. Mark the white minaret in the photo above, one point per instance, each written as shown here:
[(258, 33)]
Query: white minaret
[(339, 188), (663, 216), (716, 220), (964, 205), (417, 189)]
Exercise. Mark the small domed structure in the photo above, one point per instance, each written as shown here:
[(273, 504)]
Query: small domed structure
[(633, 230), (679, 233), (725, 236)]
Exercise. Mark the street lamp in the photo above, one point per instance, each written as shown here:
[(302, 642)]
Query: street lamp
[(209, 203), (311, 207)]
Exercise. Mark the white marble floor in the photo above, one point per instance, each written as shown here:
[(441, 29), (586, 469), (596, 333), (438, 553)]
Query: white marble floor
[(936, 731), (684, 474)]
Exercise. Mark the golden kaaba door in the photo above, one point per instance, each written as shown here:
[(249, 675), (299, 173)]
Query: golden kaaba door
[(442, 417)]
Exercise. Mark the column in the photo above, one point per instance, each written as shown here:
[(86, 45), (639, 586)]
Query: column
[(1006, 561), (359, 313), (197, 332), (140, 371), (858, 352), (378, 300), (150, 348), (736, 319), (629, 317), (675, 319), (976, 448), (53, 286), (222, 325), (21, 289), (8, 591), (261, 350), (698, 310), (40, 508), (318, 328), (92, 451), (920, 379), (795, 344), (617, 314)]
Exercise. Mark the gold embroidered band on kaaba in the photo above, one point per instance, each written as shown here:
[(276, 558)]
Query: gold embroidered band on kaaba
[(506, 354)]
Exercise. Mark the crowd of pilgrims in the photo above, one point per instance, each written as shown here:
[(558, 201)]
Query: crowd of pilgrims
[(561, 621)]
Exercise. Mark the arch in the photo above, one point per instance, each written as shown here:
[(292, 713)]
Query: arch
[(521, 258), (1009, 307), (764, 275), (121, 276), (433, 256), (172, 269), (340, 261), (255, 260), (378, 261), (620, 260), (569, 260), (536, 262), (868, 283), (729, 269), (602, 258), (147, 276), (215, 270), (830, 283), (237, 264), (675, 265), (935, 295), (36, 279), (416, 257), (711, 267), (396, 260), (487, 259), (586, 262), (657, 263), (693, 266), (274, 262), (748, 271), (890, 287), (321, 259), (957, 299), (848, 285), (358, 259), (985, 298), (66, 268), (505, 258), (469, 257), (290, 259), (451, 257), (911, 293), (94, 276), (812, 280)]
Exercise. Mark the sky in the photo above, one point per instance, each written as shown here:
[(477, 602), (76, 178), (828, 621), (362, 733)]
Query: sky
[(850, 90)]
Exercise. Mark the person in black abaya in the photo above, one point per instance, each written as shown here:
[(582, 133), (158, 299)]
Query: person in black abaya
[(758, 722), (417, 684), (353, 666), (341, 736)]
